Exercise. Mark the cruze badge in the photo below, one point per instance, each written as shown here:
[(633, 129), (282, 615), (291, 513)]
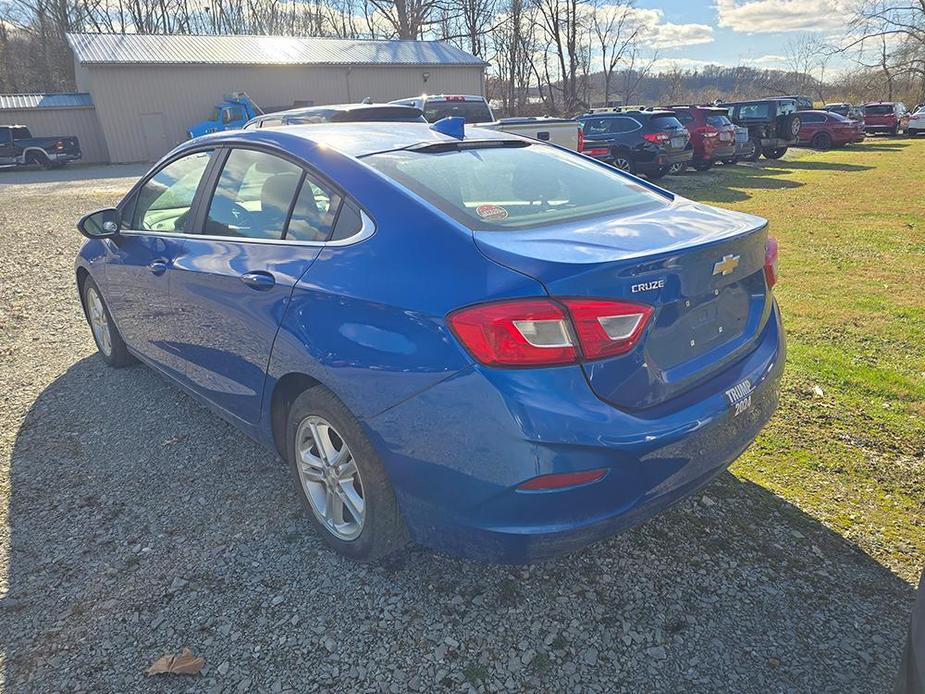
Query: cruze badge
[(647, 286), (726, 265)]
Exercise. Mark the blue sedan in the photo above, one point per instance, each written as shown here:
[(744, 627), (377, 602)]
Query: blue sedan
[(484, 344)]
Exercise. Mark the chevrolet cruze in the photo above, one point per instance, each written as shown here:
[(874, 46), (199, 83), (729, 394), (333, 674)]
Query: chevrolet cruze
[(481, 343)]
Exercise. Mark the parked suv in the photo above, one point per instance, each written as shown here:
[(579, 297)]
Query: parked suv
[(825, 129), (886, 117), (773, 125), (916, 122), (19, 148), (847, 110), (712, 134), (646, 142)]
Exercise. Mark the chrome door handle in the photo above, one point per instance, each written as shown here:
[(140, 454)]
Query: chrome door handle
[(158, 267), (261, 281)]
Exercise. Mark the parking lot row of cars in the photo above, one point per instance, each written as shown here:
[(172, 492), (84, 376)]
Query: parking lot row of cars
[(656, 141)]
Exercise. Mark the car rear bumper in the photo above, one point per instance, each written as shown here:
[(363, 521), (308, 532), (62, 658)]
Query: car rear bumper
[(664, 159), (718, 152), (64, 156), (457, 452)]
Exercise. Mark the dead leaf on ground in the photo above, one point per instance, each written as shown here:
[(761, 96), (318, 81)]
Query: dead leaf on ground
[(172, 664)]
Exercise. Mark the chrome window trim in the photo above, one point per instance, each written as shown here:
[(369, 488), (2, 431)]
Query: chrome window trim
[(367, 229)]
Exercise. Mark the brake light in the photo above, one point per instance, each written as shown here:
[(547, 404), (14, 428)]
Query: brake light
[(596, 151), (657, 138), (770, 261), (59, 144), (606, 328), (455, 98), (548, 332), (581, 140), (561, 480), (708, 131)]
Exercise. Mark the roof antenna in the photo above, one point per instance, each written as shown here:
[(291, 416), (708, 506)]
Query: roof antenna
[(454, 126)]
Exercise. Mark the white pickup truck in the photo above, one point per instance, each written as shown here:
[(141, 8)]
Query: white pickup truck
[(558, 131)]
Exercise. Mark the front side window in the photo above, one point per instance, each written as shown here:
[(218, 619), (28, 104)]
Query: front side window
[(233, 113), (513, 187), (164, 202), (253, 196)]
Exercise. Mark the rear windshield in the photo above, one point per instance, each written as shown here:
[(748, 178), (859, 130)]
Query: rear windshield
[(718, 120), (665, 123), (384, 114), (878, 109), (472, 111), (513, 187)]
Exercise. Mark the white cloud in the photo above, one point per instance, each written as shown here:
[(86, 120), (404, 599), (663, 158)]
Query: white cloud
[(656, 33), (765, 60), (767, 16), (670, 64)]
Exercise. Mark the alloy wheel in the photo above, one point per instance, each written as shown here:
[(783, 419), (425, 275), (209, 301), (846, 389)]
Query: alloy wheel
[(99, 321), (330, 478), (622, 163)]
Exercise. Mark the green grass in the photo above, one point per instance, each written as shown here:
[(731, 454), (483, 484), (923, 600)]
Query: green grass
[(851, 226)]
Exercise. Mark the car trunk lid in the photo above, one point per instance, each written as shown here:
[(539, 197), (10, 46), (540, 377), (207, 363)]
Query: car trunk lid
[(702, 270)]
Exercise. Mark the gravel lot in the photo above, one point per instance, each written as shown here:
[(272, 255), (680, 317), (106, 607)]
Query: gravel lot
[(136, 523)]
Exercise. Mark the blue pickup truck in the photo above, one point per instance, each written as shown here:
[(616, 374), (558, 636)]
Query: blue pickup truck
[(232, 113)]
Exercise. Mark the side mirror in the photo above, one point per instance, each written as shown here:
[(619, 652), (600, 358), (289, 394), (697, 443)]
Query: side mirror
[(100, 224)]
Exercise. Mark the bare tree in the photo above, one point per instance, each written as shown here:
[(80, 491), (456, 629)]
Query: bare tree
[(614, 35)]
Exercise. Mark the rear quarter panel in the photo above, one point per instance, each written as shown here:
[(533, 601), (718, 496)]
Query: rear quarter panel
[(367, 320)]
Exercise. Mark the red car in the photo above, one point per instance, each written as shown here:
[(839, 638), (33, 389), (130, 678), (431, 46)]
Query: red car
[(713, 136), (886, 117), (825, 129)]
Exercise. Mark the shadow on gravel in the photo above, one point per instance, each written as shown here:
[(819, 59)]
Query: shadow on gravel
[(140, 523)]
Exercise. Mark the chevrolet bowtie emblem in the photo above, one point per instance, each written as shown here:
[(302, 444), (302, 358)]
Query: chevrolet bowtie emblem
[(726, 265)]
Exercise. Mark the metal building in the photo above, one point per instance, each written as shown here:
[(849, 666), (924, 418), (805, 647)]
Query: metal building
[(47, 115), (148, 89)]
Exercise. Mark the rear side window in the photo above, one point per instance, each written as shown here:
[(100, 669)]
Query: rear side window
[(472, 111), (665, 123), (595, 127), (812, 117), (314, 212), (684, 117), (718, 120), (253, 196), (747, 111), (513, 187), (21, 134), (164, 201)]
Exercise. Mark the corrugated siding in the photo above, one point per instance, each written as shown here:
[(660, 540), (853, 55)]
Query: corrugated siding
[(260, 50), (50, 122), (186, 94), (23, 101)]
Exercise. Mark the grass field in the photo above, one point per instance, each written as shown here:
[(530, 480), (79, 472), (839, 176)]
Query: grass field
[(848, 443)]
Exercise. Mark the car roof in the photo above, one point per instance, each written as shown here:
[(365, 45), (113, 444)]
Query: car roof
[(355, 139), (653, 112)]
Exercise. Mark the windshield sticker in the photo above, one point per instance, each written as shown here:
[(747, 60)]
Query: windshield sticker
[(492, 213)]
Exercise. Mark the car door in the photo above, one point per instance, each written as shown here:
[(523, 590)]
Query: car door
[(810, 124), (259, 231), (7, 148), (140, 261)]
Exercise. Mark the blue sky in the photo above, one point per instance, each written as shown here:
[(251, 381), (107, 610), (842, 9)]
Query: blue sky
[(736, 32)]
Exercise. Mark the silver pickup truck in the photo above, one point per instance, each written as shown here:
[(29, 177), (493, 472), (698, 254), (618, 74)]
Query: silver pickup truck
[(476, 111)]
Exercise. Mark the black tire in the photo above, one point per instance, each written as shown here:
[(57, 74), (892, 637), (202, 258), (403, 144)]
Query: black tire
[(774, 152), (822, 141), (702, 164), (117, 355), (791, 127), (894, 131), (38, 159), (658, 173), (624, 162), (383, 530), (754, 153)]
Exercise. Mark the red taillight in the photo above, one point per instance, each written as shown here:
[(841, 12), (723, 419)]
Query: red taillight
[(708, 131), (657, 138), (548, 332), (581, 139), (525, 332), (561, 480), (455, 98), (596, 151), (770, 261), (606, 328), (59, 144)]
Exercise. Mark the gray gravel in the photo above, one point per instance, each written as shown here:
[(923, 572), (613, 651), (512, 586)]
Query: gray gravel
[(137, 523)]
